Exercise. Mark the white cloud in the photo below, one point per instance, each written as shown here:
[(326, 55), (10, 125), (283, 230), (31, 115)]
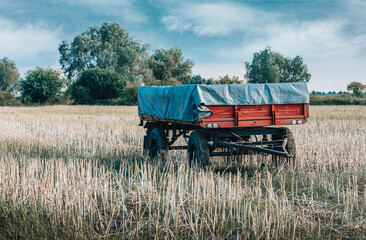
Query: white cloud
[(332, 57), (356, 12), (333, 46), (120, 8), (314, 40), (28, 41), (214, 19), (335, 75), (173, 23), (259, 28)]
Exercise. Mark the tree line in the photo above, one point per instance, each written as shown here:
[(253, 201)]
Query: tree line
[(105, 65)]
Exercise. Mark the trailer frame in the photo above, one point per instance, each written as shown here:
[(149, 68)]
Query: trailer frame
[(236, 141)]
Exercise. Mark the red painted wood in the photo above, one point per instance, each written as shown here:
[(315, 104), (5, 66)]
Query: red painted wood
[(247, 116)]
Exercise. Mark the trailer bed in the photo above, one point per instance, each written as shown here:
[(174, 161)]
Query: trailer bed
[(245, 116), (237, 105)]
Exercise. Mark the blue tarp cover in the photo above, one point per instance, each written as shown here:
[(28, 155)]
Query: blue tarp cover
[(188, 102)]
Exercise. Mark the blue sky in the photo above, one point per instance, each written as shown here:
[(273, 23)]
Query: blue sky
[(219, 36)]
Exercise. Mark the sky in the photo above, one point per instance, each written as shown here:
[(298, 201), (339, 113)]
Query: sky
[(218, 36)]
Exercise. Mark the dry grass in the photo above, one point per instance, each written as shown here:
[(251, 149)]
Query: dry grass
[(79, 172)]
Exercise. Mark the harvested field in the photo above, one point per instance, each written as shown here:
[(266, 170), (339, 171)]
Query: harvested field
[(79, 172)]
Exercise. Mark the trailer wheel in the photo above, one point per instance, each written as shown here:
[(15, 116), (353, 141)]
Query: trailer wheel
[(290, 147), (146, 142), (198, 150), (158, 143)]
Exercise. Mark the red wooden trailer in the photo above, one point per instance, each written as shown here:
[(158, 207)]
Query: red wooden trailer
[(229, 130)]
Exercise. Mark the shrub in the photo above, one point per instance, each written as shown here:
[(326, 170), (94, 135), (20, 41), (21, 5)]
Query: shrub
[(227, 80), (130, 94), (339, 99), (8, 99), (41, 85), (97, 84)]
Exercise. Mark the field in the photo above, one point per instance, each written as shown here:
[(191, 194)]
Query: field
[(78, 172)]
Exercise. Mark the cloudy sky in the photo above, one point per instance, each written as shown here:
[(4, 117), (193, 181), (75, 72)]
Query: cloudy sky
[(219, 36)]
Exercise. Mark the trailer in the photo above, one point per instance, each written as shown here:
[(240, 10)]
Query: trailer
[(223, 120)]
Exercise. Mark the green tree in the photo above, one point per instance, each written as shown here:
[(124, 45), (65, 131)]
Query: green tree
[(356, 87), (8, 99), (9, 75), (268, 66), (227, 80), (97, 84), (42, 85), (130, 93), (197, 79), (169, 68), (108, 46)]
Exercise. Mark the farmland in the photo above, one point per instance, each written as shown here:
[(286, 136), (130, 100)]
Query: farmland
[(79, 172)]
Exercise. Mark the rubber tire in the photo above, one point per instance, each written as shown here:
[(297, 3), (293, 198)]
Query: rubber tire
[(146, 141), (198, 150), (290, 147), (158, 143), (146, 145)]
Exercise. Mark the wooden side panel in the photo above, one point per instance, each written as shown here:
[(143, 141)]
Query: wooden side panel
[(258, 115), (247, 116)]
